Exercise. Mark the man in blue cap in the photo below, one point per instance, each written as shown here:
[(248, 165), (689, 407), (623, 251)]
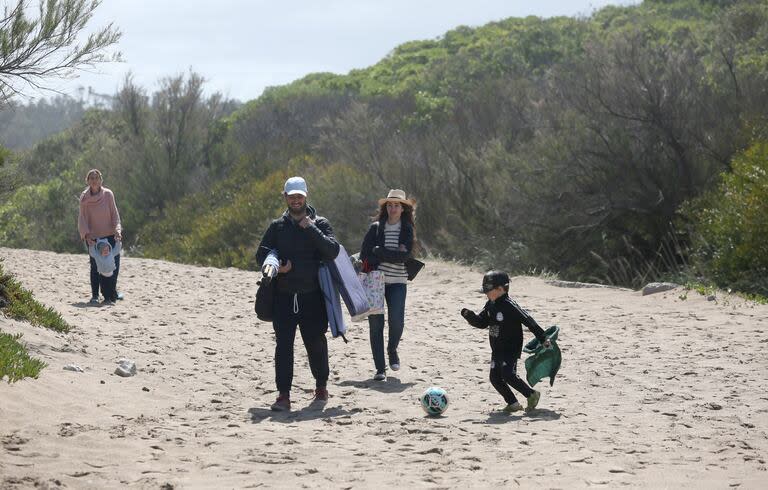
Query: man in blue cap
[(302, 240)]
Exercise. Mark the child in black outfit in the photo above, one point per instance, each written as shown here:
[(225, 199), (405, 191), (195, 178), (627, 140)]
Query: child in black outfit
[(504, 320)]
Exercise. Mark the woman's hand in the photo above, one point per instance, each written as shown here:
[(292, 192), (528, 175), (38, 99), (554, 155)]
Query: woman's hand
[(118, 236)]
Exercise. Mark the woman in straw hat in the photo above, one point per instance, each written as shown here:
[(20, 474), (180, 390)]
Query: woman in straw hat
[(386, 247)]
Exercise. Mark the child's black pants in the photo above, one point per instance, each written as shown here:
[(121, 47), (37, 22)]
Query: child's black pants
[(503, 375)]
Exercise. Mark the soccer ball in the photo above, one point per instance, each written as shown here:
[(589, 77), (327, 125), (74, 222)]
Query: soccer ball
[(434, 400)]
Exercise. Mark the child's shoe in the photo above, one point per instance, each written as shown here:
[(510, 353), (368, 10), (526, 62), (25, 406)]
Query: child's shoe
[(380, 376), (513, 407), (533, 400)]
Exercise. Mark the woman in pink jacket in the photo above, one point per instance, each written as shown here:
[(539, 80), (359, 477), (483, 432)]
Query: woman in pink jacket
[(99, 219)]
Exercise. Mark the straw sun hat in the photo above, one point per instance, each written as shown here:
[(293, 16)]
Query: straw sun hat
[(397, 195)]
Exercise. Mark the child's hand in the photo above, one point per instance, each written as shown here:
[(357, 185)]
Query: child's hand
[(547, 344), (471, 318)]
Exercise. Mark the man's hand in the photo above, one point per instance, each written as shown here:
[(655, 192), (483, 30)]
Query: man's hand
[(119, 236), (306, 221), (90, 241), (285, 267)]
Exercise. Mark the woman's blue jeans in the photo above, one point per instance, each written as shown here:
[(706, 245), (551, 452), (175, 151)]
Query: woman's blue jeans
[(395, 298)]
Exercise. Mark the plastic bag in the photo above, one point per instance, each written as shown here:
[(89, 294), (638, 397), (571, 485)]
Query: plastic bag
[(373, 283)]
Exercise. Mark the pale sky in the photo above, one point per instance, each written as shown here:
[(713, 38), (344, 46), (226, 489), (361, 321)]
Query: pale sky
[(241, 46)]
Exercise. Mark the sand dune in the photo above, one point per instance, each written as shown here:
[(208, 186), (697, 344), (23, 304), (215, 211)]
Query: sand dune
[(655, 391)]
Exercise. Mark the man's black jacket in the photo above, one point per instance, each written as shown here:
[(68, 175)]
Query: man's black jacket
[(306, 248)]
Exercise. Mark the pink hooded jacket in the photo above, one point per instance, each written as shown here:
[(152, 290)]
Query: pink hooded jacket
[(98, 214)]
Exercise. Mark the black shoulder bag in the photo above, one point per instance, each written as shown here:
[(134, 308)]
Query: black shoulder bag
[(265, 298)]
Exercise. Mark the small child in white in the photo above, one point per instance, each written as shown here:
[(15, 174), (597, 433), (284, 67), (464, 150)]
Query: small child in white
[(104, 255)]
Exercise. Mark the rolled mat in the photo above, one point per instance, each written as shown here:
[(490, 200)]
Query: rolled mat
[(345, 277)]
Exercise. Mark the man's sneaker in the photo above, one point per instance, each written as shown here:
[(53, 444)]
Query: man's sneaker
[(321, 395), (533, 400), (283, 404), (94, 301), (108, 302), (120, 296), (394, 361), (380, 376), (513, 407)]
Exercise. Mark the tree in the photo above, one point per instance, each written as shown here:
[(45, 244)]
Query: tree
[(640, 131), (132, 104), (32, 51), (164, 141)]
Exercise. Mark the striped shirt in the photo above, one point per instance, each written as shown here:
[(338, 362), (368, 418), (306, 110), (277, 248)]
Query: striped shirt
[(394, 273)]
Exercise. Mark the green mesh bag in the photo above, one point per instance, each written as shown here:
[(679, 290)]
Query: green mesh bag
[(543, 362)]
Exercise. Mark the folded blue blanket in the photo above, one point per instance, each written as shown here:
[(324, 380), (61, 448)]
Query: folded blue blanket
[(332, 302)]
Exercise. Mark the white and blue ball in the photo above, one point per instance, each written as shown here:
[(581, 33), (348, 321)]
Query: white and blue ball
[(434, 400)]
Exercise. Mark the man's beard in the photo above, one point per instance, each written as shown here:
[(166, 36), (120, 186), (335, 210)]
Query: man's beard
[(298, 213)]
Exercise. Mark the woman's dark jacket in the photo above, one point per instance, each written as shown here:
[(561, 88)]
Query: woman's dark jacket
[(306, 248), (373, 249)]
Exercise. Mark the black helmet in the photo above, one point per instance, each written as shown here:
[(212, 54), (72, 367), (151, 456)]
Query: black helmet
[(493, 279)]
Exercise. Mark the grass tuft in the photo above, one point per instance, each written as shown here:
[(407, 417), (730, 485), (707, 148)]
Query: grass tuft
[(15, 362), (18, 303)]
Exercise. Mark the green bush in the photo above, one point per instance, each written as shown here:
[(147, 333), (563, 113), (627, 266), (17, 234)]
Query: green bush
[(42, 216), (731, 224), (223, 235)]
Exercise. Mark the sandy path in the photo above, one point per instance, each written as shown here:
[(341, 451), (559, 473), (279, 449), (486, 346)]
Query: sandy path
[(655, 391)]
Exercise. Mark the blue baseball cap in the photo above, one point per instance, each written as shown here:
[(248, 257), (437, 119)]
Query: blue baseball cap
[(295, 185)]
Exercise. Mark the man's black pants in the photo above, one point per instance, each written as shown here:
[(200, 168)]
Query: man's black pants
[(307, 311)]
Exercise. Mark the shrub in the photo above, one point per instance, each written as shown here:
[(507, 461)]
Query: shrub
[(731, 224)]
